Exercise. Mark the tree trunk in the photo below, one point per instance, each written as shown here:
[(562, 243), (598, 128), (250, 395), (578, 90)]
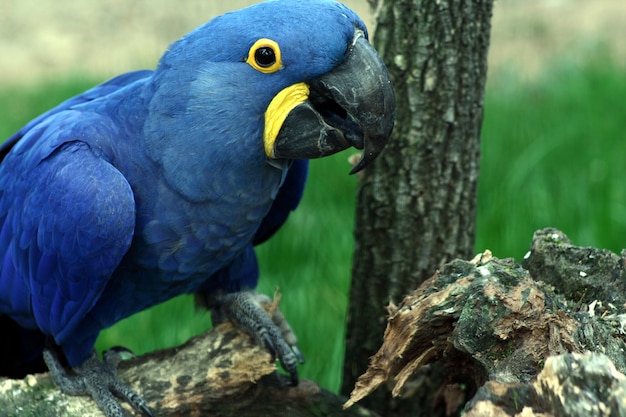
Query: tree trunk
[(416, 205)]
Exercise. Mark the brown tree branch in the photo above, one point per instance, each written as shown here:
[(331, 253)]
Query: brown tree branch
[(221, 373)]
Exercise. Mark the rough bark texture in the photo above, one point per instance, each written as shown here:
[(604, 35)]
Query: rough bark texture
[(221, 373), (506, 343), (416, 204), (592, 274)]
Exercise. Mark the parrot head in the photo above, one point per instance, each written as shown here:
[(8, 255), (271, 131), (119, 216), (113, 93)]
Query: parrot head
[(304, 70)]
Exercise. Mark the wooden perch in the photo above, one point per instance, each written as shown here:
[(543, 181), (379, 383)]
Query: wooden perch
[(222, 372), (488, 337)]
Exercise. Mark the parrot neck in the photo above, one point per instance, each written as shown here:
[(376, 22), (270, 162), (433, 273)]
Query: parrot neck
[(207, 144)]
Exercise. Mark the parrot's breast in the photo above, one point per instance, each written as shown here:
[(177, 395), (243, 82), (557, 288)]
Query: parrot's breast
[(179, 244)]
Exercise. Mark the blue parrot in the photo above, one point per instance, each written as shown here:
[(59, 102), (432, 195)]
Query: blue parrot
[(160, 183)]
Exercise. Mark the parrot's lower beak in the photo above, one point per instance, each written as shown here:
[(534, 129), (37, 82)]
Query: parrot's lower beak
[(351, 106)]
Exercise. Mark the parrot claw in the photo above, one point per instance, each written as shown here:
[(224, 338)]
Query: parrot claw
[(97, 379), (298, 354), (273, 332)]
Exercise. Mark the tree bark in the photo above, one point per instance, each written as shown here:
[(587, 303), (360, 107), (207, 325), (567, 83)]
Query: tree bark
[(505, 342), (221, 373), (417, 203)]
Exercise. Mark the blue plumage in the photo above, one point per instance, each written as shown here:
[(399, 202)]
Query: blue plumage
[(158, 183)]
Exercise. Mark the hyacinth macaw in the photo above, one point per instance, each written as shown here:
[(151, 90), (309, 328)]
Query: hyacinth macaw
[(159, 183)]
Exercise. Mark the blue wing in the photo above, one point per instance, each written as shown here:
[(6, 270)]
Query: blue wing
[(22, 353), (67, 218)]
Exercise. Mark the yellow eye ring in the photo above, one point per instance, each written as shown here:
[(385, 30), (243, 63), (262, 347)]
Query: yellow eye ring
[(265, 56)]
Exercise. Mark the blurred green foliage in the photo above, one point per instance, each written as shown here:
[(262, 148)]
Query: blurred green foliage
[(551, 156)]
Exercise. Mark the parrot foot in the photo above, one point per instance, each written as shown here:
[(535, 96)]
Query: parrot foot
[(245, 311), (97, 379)]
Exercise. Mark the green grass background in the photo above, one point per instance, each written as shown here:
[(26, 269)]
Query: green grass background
[(552, 155)]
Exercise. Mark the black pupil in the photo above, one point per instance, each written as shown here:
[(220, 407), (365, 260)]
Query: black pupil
[(265, 57)]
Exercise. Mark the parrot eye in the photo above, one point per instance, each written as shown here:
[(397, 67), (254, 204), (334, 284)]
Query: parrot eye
[(264, 56)]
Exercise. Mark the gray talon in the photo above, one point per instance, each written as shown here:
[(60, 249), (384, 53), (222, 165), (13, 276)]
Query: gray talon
[(274, 333), (297, 352), (97, 379)]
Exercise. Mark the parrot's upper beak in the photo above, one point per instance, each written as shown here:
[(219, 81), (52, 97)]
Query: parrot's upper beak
[(352, 105)]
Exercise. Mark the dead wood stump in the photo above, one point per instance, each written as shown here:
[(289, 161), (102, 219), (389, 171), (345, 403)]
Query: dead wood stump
[(487, 337)]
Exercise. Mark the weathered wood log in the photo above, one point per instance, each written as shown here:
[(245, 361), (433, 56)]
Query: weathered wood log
[(580, 274), (502, 343), (570, 385), (221, 373)]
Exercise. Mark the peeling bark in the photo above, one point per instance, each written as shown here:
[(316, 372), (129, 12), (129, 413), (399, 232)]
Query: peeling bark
[(505, 343)]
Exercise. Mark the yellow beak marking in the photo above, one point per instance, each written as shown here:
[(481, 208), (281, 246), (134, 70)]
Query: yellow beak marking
[(278, 110)]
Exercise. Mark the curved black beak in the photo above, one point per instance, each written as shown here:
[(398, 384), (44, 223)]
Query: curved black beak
[(351, 106)]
